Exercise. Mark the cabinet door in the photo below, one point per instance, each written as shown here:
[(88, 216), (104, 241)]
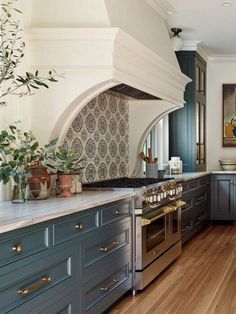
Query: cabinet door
[(200, 134), (223, 195), (200, 78)]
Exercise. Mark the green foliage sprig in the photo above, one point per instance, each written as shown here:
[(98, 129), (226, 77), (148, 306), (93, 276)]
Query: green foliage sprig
[(18, 151), (11, 52)]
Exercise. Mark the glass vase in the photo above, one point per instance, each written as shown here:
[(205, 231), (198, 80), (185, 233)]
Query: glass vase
[(19, 191)]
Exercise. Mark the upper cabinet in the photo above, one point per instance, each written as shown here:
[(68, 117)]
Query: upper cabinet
[(187, 126)]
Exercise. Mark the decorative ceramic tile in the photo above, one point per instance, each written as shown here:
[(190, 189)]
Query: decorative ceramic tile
[(102, 125), (100, 133), (77, 123), (113, 126), (90, 148), (102, 148), (77, 146), (90, 123)]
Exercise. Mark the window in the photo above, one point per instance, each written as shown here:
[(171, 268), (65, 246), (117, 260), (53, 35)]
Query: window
[(157, 139)]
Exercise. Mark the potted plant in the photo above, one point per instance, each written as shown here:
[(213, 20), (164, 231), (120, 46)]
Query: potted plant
[(67, 163), (18, 152)]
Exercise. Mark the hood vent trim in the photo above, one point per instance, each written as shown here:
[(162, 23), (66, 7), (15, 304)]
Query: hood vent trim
[(133, 92)]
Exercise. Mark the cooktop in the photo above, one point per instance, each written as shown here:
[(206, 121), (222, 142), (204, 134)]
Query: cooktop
[(125, 183)]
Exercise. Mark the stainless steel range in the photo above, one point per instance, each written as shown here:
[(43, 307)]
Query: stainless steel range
[(157, 223)]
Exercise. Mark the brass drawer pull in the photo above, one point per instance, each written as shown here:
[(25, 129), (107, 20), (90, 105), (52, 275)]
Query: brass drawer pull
[(109, 247), (79, 227), (18, 249), (27, 291), (114, 281)]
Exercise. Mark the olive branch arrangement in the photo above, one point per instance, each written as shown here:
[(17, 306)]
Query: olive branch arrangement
[(11, 52)]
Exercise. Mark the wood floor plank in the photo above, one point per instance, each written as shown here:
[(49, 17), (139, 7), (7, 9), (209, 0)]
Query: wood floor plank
[(201, 281)]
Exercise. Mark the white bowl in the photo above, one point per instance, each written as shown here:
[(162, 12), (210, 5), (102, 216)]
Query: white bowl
[(228, 164), (228, 161)]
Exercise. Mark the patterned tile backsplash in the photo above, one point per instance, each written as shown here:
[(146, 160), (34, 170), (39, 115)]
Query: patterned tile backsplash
[(100, 133)]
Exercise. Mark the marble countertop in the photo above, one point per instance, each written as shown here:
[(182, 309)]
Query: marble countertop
[(188, 175), (15, 216), (223, 172)]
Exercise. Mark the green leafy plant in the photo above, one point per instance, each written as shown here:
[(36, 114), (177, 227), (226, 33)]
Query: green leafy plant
[(11, 52), (18, 151), (66, 161)]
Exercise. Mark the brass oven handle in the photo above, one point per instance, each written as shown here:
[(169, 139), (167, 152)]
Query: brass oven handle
[(27, 291), (114, 281), (109, 247), (18, 249), (178, 205), (168, 209), (79, 227), (146, 221)]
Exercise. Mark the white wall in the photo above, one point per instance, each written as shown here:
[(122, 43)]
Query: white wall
[(219, 71)]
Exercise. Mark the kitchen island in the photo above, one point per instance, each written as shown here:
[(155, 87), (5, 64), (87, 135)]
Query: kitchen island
[(66, 255)]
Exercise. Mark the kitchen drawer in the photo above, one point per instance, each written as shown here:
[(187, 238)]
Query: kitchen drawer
[(99, 293), (204, 180), (193, 184), (188, 199), (200, 197), (40, 280), (103, 245), (115, 212), (187, 225), (201, 213), (75, 226), (185, 187), (23, 244), (63, 304)]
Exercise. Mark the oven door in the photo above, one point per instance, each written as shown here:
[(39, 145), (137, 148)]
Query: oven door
[(152, 238), (175, 221)]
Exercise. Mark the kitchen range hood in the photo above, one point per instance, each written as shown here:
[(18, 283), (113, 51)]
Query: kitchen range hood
[(124, 48)]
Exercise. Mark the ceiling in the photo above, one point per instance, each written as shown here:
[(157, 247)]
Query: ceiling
[(207, 21)]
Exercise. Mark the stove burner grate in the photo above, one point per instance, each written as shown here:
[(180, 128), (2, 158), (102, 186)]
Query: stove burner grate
[(125, 183)]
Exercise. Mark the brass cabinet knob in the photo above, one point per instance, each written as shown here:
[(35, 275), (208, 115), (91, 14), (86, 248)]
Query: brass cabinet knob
[(18, 249), (79, 227)]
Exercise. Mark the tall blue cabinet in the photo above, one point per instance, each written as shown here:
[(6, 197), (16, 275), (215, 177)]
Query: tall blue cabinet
[(187, 126)]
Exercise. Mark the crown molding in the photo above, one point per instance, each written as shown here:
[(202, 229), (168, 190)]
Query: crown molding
[(196, 45), (222, 59), (161, 7)]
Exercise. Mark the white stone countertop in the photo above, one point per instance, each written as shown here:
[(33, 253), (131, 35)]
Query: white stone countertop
[(189, 175), (16, 216), (223, 172)]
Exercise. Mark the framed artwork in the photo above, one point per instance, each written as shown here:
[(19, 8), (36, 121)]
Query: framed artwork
[(229, 115)]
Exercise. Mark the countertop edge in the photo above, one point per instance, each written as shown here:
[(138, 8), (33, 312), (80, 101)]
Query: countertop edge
[(26, 222)]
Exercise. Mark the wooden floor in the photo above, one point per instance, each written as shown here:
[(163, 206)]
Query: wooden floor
[(202, 280)]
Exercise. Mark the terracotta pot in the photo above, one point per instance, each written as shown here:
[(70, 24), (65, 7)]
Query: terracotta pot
[(39, 182), (65, 184)]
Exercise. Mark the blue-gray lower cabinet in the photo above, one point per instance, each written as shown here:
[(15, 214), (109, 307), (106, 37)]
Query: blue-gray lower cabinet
[(196, 212), (223, 189), (79, 263)]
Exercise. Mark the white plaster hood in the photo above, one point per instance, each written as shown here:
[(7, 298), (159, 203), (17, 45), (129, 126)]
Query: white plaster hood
[(96, 59)]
